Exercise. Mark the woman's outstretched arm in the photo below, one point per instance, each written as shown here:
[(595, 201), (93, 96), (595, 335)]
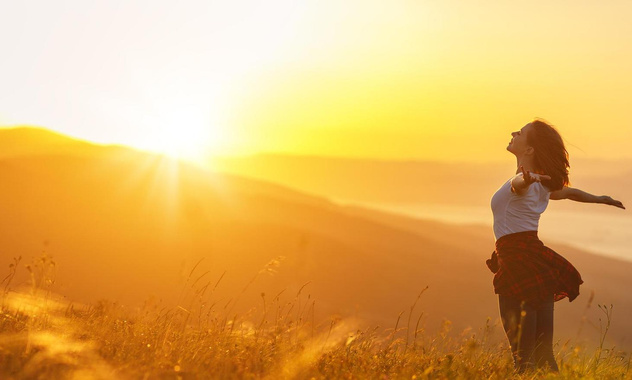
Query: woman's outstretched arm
[(582, 196)]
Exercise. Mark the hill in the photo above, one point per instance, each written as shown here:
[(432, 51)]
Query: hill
[(132, 227)]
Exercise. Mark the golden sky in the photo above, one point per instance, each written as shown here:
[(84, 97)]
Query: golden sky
[(444, 80)]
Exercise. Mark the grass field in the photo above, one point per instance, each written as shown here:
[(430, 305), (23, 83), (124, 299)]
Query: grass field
[(45, 337)]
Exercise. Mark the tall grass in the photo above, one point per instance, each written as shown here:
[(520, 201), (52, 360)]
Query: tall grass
[(45, 337)]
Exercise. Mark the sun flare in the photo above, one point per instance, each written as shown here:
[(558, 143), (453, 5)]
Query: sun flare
[(185, 136), (187, 142)]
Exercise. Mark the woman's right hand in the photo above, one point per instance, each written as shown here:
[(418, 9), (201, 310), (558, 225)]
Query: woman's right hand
[(530, 178), (520, 184)]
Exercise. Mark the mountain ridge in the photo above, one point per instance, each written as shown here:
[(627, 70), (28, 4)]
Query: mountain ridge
[(127, 226)]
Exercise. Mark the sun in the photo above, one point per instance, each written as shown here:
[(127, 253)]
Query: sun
[(185, 137), (185, 142)]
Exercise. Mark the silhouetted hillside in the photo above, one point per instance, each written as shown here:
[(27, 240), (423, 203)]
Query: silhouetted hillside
[(129, 226)]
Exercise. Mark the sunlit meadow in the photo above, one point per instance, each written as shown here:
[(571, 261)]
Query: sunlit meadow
[(46, 337)]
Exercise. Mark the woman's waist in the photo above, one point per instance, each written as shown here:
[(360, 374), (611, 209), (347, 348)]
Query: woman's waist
[(518, 240), (506, 224)]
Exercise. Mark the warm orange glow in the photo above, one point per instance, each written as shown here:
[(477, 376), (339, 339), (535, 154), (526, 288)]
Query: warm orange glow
[(257, 189), (408, 80), (183, 138)]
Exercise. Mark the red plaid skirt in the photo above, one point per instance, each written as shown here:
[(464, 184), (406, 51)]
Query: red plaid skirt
[(527, 270)]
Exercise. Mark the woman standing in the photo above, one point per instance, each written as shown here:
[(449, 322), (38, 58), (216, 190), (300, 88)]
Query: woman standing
[(530, 277)]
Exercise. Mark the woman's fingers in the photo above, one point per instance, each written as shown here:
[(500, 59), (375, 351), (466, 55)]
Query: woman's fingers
[(529, 177), (525, 174), (538, 177), (615, 203), (618, 204)]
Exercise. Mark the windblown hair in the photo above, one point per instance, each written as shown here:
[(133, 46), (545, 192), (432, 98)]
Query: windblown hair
[(550, 154)]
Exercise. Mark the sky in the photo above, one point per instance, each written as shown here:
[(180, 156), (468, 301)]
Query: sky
[(429, 80)]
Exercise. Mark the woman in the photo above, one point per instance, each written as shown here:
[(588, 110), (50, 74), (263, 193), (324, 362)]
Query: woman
[(530, 277)]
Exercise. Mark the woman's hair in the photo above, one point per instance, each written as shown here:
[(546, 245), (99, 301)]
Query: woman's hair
[(550, 155)]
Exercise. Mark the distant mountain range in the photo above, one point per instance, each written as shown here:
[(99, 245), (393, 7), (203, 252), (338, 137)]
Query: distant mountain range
[(128, 226), (418, 182)]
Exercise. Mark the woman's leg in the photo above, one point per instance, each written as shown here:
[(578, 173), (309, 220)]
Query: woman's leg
[(520, 323), (544, 337)]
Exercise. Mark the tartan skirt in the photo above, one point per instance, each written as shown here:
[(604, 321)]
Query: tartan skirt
[(527, 270)]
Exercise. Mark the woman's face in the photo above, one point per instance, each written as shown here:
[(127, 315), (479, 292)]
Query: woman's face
[(518, 144)]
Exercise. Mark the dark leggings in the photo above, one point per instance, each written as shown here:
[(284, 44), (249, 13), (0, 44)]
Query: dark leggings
[(530, 333)]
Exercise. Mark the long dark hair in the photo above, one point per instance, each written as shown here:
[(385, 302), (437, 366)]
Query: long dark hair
[(550, 154)]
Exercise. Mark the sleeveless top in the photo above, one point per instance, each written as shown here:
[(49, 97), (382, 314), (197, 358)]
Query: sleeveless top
[(518, 213)]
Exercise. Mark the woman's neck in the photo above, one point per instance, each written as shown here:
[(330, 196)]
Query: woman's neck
[(526, 162)]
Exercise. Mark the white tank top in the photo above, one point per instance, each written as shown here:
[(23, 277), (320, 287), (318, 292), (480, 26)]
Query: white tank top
[(517, 213)]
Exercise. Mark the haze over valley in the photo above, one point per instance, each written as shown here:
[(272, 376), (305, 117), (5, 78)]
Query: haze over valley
[(131, 226)]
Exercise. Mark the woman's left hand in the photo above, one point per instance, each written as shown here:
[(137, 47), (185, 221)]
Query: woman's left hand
[(612, 202)]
